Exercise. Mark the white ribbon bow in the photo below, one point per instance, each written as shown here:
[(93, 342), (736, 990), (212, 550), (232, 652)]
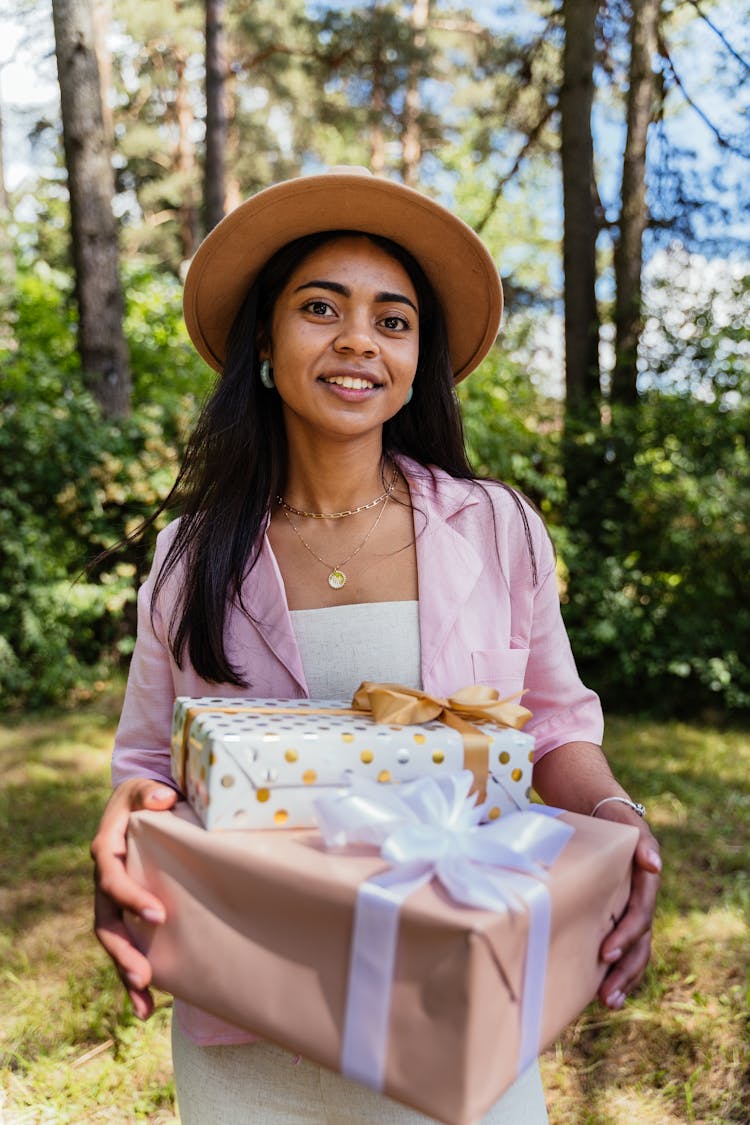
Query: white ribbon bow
[(430, 828)]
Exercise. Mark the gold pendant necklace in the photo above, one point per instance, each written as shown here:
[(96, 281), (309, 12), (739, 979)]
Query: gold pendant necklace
[(336, 576), (340, 515)]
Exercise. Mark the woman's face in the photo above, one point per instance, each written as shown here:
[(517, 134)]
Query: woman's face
[(344, 340)]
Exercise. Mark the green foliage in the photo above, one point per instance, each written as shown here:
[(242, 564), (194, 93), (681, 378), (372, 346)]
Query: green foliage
[(660, 551), (511, 430), (657, 549), (654, 550), (658, 609), (72, 484)]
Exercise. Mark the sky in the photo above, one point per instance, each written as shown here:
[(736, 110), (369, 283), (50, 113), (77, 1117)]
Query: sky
[(28, 87)]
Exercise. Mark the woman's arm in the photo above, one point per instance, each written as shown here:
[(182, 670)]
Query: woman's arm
[(141, 778), (576, 776)]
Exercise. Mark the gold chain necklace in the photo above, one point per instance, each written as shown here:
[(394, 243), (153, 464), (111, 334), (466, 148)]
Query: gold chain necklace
[(340, 515), (337, 577)]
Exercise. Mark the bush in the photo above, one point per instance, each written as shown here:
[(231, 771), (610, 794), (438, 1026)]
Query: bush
[(511, 430), (72, 484), (658, 609)]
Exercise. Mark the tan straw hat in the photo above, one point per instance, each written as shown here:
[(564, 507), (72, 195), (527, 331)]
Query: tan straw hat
[(455, 260)]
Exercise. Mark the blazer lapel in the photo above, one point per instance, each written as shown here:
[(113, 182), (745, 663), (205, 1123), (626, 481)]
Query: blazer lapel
[(448, 565), (265, 600)]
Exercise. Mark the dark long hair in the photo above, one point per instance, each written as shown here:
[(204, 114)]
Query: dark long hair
[(235, 463)]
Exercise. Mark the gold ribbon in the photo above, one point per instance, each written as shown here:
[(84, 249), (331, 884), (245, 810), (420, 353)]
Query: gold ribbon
[(398, 705), (395, 705)]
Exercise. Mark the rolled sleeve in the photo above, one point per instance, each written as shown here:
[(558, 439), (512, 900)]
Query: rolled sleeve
[(142, 742), (564, 709)]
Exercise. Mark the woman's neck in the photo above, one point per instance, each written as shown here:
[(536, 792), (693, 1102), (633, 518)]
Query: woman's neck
[(336, 479)]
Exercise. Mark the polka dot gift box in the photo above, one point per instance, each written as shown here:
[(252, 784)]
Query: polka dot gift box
[(262, 763)]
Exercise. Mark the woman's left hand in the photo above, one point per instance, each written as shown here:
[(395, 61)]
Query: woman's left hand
[(628, 948)]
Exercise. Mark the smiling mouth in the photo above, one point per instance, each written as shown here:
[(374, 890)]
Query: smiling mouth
[(351, 382)]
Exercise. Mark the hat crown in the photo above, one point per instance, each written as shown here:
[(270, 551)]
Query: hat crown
[(349, 170)]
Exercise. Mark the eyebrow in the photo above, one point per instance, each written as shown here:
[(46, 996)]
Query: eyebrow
[(337, 287)]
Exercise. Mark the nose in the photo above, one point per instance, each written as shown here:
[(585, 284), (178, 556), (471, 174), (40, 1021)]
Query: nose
[(356, 337)]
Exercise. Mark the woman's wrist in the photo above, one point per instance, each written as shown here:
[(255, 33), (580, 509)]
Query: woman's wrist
[(636, 806)]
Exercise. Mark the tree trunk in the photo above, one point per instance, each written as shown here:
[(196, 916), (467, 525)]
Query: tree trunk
[(377, 136), (412, 139), (185, 162), (634, 215), (579, 242), (217, 126), (234, 188), (5, 213), (7, 256), (101, 343), (101, 11)]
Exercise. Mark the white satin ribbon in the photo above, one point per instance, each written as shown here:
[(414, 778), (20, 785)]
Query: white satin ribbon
[(430, 828)]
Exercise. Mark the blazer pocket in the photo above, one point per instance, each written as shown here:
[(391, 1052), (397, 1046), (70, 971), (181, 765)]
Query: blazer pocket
[(502, 668)]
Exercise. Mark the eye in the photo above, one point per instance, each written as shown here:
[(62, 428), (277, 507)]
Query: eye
[(318, 307), (395, 323)]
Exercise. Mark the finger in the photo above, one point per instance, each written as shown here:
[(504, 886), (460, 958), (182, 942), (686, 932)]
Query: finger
[(125, 893), (111, 931), (626, 974), (638, 917), (647, 854), (631, 929), (109, 847), (142, 1001), (133, 968), (155, 795)]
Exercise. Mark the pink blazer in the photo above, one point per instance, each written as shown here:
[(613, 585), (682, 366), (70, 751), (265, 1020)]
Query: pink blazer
[(481, 617)]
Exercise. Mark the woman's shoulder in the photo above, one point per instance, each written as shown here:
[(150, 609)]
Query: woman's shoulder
[(165, 541), (478, 507), (166, 537), (465, 493), (516, 518)]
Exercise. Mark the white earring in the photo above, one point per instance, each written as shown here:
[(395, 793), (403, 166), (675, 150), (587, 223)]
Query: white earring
[(266, 375)]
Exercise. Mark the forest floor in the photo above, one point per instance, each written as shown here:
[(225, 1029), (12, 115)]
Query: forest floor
[(71, 1051)]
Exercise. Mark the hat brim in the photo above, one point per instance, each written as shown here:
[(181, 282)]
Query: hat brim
[(454, 259)]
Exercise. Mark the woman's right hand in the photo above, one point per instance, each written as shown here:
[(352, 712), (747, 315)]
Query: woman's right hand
[(115, 891)]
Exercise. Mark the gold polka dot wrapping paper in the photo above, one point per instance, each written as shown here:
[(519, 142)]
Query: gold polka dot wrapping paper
[(262, 763)]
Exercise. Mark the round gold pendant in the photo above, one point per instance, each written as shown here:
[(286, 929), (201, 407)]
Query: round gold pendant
[(336, 579)]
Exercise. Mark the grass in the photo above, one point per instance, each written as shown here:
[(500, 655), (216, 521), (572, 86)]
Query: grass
[(679, 1050), (70, 1050)]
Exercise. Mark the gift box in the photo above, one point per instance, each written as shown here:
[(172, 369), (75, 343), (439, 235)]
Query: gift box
[(262, 927), (262, 763)]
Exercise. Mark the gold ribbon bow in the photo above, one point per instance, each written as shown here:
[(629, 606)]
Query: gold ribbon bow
[(394, 704)]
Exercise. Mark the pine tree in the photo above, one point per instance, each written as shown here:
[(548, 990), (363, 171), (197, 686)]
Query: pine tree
[(101, 343)]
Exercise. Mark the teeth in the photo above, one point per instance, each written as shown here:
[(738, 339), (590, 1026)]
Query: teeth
[(350, 382)]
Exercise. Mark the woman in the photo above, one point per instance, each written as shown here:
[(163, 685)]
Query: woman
[(332, 532)]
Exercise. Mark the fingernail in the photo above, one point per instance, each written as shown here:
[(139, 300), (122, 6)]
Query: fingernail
[(151, 914), (655, 860), (612, 955), (134, 979), (616, 999), (161, 794)]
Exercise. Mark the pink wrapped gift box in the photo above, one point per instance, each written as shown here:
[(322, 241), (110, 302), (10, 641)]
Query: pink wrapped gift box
[(259, 932)]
